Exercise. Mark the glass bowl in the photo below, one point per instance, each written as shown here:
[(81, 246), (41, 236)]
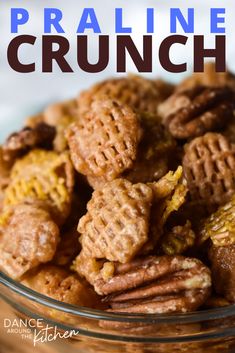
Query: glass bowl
[(91, 331)]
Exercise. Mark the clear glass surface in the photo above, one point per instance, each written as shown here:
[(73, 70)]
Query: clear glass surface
[(97, 331)]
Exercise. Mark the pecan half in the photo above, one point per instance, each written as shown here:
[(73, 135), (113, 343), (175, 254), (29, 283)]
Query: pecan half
[(209, 77), (195, 112), (157, 285), (209, 168), (19, 143)]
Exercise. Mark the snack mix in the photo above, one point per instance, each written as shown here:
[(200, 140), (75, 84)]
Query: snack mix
[(123, 198)]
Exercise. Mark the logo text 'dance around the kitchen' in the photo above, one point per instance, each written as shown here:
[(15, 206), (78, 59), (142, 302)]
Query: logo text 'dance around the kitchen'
[(55, 45)]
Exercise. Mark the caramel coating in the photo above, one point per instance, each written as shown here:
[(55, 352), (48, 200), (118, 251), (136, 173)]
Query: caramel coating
[(169, 195), (192, 113), (61, 285), (140, 94), (154, 152), (88, 267), (60, 116), (5, 170), (104, 143), (209, 78), (29, 238), (220, 226), (55, 112), (33, 120), (209, 168), (123, 247), (42, 175), (117, 222), (19, 143)]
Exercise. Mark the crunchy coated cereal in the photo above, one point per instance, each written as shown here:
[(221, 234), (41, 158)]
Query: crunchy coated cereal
[(117, 222), (30, 237), (42, 175), (104, 142), (220, 226), (62, 285), (121, 198), (138, 93), (209, 168)]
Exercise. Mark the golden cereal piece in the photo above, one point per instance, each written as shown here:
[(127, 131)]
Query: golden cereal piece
[(42, 175), (141, 94), (54, 113), (117, 221), (61, 285), (209, 168), (29, 238), (60, 141), (104, 142), (169, 195), (220, 226), (178, 240), (34, 120), (87, 267)]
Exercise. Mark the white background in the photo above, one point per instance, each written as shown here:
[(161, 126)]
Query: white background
[(26, 94)]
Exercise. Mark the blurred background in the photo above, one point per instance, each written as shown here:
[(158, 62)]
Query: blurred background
[(26, 94)]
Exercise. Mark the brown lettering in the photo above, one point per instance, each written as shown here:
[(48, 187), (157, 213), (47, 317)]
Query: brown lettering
[(164, 53), (48, 54), (12, 54), (219, 53), (125, 43), (82, 54)]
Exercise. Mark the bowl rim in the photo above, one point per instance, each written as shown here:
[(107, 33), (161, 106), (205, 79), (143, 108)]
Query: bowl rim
[(180, 318)]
